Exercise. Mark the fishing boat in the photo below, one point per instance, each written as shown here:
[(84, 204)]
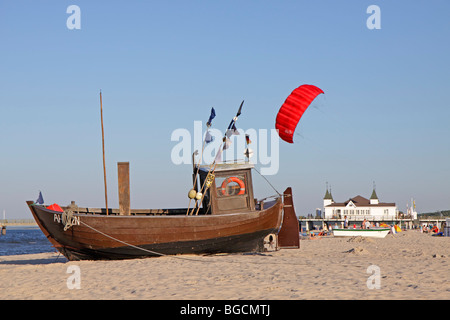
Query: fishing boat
[(230, 220), (373, 232)]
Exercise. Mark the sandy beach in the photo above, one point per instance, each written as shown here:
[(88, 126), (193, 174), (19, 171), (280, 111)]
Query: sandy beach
[(408, 265)]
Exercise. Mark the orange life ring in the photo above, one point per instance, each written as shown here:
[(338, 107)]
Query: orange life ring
[(233, 179)]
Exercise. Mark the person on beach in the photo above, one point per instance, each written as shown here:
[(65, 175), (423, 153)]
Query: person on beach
[(345, 222)]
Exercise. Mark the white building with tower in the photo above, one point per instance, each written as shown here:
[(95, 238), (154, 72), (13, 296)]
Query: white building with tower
[(358, 208)]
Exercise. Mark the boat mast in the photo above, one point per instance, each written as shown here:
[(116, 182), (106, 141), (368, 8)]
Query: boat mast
[(103, 146)]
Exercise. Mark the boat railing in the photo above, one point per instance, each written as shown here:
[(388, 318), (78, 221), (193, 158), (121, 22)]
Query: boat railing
[(133, 212), (265, 203)]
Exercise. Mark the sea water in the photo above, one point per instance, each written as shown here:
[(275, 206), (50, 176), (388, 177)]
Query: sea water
[(24, 240)]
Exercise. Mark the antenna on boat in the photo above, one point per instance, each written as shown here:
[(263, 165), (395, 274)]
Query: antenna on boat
[(103, 147)]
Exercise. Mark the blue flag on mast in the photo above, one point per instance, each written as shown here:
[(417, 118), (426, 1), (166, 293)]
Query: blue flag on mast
[(40, 199), (211, 117), (232, 131), (208, 137)]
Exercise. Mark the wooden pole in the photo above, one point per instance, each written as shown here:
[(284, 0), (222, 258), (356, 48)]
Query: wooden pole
[(123, 170), (103, 146)]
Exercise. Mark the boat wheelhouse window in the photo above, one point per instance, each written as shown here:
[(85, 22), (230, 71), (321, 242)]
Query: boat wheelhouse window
[(233, 185), (231, 190)]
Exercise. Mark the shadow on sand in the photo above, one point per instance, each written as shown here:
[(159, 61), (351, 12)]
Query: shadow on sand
[(33, 259)]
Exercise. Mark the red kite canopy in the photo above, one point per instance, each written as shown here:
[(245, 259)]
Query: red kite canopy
[(293, 108)]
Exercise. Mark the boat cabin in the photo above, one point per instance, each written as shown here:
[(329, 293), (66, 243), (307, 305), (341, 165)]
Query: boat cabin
[(231, 189)]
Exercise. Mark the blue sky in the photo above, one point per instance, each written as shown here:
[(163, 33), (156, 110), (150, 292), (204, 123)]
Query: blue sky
[(161, 65)]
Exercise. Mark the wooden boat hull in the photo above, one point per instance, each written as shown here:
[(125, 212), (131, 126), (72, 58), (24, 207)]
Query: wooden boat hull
[(106, 237), (373, 233)]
